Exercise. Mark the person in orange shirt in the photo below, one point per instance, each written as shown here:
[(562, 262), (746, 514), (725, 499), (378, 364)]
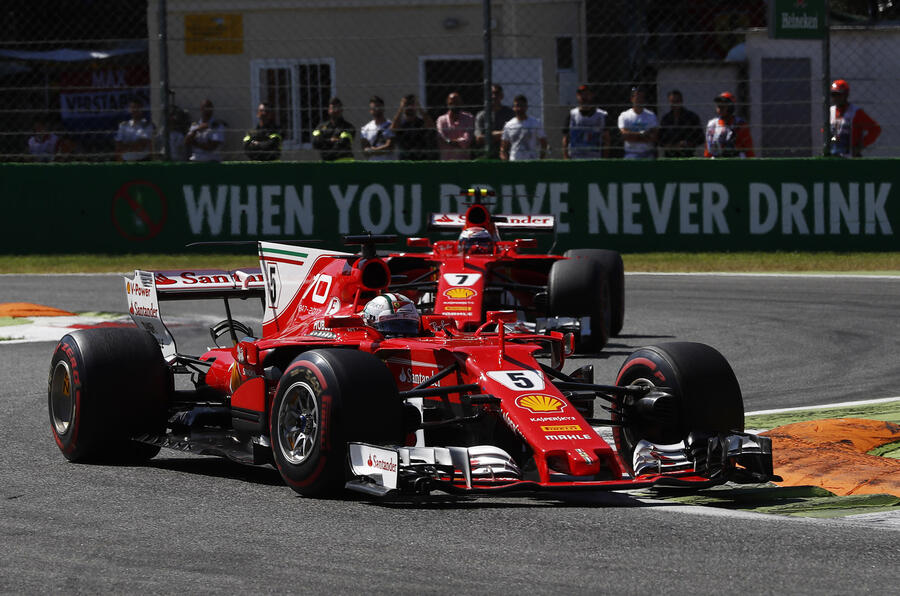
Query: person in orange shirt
[(851, 128), (727, 135)]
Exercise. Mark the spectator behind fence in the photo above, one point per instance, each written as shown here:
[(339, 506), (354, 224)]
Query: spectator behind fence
[(205, 138), (639, 128), (852, 129), (179, 122), (727, 135), (376, 136), (523, 136), (456, 130), (585, 134), (500, 115), (414, 133), (263, 143), (43, 145), (334, 136), (680, 131), (134, 139)]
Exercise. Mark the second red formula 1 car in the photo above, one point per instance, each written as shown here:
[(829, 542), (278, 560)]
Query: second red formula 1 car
[(348, 386), (582, 291)]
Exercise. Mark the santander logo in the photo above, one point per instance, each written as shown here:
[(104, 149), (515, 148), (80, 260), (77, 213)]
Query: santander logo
[(382, 464)]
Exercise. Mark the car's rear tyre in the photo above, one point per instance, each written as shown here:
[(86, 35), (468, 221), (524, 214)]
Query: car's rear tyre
[(107, 386), (611, 262), (708, 396), (577, 288), (325, 399)]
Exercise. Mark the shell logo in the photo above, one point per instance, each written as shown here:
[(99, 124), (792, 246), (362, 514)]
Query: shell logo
[(460, 293), (537, 403)]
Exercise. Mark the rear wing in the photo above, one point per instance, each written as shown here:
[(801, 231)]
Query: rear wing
[(532, 223), (147, 289), (208, 283)]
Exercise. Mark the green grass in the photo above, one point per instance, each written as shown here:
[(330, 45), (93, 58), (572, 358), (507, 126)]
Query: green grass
[(766, 262), (750, 262), (887, 411)]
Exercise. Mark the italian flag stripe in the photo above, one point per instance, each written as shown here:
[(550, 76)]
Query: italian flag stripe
[(282, 260), (281, 251)]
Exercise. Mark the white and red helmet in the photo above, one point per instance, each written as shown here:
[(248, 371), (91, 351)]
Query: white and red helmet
[(840, 86), (392, 314), (476, 240)]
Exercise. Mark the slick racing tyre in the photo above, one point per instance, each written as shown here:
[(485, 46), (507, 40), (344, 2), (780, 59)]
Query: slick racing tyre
[(577, 288), (611, 262), (107, 386), (707, 395), (325, 399)]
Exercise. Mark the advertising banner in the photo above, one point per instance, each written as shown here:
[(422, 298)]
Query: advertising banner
[(681, 205), (797, 19)]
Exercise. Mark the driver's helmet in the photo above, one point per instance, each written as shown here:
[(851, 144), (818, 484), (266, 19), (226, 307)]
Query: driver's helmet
[(475, 240), (392, 314)]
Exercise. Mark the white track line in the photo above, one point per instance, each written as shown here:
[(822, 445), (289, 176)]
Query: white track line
[(791, 275), (846, 404)]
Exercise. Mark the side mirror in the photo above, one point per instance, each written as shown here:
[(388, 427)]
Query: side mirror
[(506, 316), (569, 345), (526, 243), (418, 242)]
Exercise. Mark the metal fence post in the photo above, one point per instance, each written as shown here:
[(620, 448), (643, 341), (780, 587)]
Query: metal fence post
[(164, 78), (488, 76), (826, 82)]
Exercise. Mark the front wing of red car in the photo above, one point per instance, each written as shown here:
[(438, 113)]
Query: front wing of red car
[(485, 469)]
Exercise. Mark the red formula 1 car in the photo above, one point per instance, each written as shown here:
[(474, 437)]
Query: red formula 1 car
[(582, 291), (348, 387)]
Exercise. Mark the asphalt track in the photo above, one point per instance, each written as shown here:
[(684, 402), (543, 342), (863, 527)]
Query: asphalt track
[(198, 525)]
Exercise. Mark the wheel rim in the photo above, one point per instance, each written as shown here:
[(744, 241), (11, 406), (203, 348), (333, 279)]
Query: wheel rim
[(62, 398), (628, 434), (298, 423)]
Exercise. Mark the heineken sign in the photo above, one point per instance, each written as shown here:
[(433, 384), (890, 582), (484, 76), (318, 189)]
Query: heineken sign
[(797, 19)]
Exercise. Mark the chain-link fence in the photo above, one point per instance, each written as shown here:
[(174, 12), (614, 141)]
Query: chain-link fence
[(77, 77)]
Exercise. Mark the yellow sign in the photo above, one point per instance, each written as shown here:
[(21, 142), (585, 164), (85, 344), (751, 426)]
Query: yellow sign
[(213, 33), (561, 428)]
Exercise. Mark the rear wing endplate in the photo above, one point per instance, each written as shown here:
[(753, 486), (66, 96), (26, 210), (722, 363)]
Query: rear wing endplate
[(146, 289)]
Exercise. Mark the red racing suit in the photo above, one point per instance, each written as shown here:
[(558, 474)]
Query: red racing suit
[(851, 130), (728, 138)]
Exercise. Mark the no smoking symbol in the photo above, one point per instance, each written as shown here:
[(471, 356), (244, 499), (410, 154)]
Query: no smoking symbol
[(139, 210)]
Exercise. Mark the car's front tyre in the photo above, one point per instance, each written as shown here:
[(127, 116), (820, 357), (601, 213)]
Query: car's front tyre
[(705, 389), (325, 399)]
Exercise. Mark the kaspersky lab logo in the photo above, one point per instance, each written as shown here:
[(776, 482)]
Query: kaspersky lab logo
[(537, 403)]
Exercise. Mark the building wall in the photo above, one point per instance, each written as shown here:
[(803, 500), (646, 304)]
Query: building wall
[(376, 47), (864, 57)]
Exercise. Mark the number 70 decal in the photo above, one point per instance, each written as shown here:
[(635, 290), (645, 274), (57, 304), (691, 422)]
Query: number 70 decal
[(518, 380)]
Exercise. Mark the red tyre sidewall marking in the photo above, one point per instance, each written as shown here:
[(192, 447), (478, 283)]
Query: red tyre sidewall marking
[(652, 367), (75, 387), (642, 362)]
